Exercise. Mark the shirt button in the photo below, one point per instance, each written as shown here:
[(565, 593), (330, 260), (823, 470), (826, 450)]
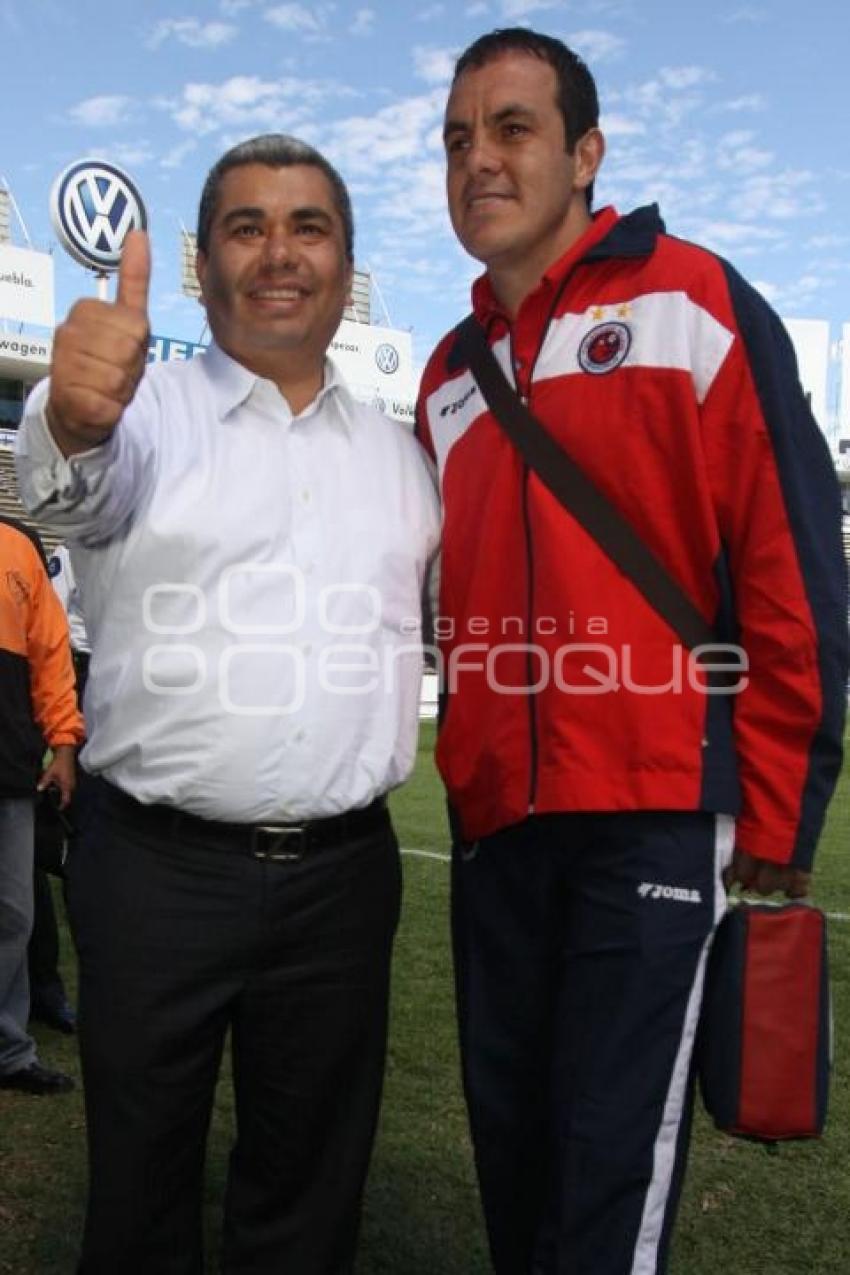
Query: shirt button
[(307, 648), (305, 495), (300, 736)]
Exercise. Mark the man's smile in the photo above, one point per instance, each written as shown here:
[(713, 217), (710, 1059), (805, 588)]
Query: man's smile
[(289, 292)]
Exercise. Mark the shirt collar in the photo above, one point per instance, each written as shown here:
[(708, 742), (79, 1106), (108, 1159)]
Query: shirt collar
[(233, 384)]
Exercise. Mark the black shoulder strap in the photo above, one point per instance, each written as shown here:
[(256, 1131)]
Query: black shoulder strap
[(579, 494)]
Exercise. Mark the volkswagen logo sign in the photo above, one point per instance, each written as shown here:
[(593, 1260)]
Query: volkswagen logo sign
[(386, 357), (93, 205)]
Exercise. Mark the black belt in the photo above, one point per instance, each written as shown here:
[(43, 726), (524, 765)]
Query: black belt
[(278, 842)]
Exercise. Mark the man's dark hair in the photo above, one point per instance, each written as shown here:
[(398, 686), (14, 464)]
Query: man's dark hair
[(576, 95), (275, 150)]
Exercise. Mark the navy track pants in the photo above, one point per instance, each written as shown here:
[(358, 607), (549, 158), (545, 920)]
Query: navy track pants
[(580, 946)]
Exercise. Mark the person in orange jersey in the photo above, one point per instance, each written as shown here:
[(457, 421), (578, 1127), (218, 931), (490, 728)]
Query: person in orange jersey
[(38, 705)]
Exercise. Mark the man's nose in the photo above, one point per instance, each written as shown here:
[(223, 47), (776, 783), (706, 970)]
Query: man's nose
[(482, 156), (281, 248)]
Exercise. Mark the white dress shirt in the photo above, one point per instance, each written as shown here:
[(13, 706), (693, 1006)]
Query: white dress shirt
[(252, 587)]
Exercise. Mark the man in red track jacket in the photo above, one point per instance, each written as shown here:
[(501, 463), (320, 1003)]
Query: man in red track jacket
[(602, 791)]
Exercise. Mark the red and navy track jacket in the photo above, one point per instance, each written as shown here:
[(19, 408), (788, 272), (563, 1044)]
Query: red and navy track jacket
[(38, 699), (674, 386)]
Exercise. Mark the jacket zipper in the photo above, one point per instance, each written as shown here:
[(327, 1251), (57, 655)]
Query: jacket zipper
[(534, 750), (532, 702), (529, 608)]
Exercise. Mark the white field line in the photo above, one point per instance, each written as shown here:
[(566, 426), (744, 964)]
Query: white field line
[(446, 858), (426, 854)]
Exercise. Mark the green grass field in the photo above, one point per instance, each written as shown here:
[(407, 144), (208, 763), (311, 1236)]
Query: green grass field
[(746, 1210)]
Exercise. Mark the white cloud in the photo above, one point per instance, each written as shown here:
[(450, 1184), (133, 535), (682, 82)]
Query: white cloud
[(101, 112), (828, 241), (363, 22), (177, 155), (738, 137), (685, 77), (795, 295), (516, 10), (476, 10), (770, 291), (615, 125), (431, 12), (366, 145), (132, 154), (747, 13), (737, 234), (779, 196), (747, 102), (419, 199), (746, 159), (195, 34), (735, 152), (667, 99), (832, 266), (596, 46), (434, 66), (246, 102), (311, 23)]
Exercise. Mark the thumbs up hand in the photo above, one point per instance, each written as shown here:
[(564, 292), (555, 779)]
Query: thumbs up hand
[(99, 355)]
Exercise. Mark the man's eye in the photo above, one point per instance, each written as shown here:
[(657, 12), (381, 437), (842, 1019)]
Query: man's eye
[(456, 144), (311, 228), (245, 230), (514, 130)]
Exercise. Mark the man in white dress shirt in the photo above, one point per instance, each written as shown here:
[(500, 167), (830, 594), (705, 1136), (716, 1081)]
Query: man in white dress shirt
[(251, 546)]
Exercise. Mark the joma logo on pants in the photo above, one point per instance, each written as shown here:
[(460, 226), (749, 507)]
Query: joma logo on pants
[(678, 893)]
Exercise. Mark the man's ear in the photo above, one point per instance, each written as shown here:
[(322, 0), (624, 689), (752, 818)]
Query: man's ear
[(587, 156)]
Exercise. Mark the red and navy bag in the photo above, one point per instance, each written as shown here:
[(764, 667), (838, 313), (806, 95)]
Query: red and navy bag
[(765, 1036)]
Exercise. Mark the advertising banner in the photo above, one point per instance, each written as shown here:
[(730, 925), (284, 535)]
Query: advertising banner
[(163, 349), (810, 338), (377, 363), (24, 357), (26, 286)]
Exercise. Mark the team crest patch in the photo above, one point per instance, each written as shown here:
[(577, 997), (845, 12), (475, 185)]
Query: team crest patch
[(604, 348)]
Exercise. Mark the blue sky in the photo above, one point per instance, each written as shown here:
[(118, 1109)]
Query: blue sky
[(731, 113)]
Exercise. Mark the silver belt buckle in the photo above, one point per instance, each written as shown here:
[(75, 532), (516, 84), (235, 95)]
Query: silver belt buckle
[(276, 843)]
